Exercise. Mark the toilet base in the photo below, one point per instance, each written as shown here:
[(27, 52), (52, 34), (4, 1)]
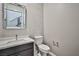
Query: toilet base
[(43, 54)]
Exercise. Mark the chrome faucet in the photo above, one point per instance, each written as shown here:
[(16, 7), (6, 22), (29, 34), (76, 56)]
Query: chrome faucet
[(16, 37)]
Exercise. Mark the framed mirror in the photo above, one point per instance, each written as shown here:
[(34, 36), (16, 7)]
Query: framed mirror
[(14, 16)]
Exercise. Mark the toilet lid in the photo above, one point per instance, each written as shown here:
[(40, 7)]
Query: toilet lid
[(44, 47)]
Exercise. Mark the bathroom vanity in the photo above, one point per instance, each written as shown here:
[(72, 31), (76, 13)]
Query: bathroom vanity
[(18, 48), (14, 17)]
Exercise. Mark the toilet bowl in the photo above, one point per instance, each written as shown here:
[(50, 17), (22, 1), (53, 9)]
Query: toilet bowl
[(44, 49)]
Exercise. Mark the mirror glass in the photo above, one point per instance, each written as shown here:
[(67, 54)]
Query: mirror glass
[(14, 16)]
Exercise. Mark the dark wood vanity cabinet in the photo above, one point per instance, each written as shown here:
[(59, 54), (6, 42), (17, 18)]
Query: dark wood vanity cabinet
[(20, 50)]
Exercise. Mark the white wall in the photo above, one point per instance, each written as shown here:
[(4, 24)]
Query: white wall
[(33, 21), (61, 24)]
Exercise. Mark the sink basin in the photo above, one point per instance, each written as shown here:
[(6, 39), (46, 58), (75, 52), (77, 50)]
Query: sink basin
[(14, 41), (17, 41), (3, 42)]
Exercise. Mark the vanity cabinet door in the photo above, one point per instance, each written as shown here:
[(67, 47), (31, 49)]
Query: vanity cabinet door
[(24, 47), (17, 50), (8, 51), (28, 52)]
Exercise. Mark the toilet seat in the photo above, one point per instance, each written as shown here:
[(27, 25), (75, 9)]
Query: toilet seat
[(44, 48)]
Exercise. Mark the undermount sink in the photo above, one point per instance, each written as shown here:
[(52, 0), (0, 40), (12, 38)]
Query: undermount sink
[(3, 42), (14, 41), (10, 41), (21, 40)]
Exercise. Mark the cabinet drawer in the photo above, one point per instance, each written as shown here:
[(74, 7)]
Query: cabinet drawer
[(15, 49)]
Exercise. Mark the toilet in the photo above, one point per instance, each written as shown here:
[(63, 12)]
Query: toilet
[(44, 49)]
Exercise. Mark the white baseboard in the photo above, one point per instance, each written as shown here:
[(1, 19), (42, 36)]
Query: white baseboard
[(51, 54)]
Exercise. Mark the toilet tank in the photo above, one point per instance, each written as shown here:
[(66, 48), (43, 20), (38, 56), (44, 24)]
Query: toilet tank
[(38, 39)]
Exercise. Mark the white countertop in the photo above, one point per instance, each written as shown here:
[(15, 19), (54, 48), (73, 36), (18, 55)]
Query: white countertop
[(15, 42)]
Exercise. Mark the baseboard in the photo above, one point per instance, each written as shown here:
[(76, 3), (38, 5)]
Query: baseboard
[(51, 54)]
